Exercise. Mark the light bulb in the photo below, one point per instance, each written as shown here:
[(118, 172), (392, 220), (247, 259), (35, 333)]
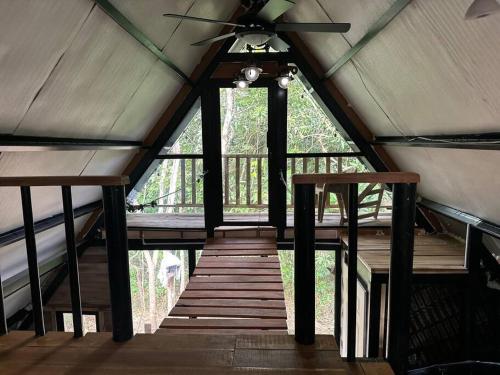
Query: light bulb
[(284, 81), (241, 84), (252, 73)]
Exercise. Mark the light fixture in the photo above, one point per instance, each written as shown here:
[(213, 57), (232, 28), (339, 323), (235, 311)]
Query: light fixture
[(241, 82), (252, 72), (254, 37), (284, 80), (482, 8)]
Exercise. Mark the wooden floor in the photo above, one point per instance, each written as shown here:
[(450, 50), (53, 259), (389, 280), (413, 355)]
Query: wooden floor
[(433, 254), (196, 221), (96, 353), (236, 289)]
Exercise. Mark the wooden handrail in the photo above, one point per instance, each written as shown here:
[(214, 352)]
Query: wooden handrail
[(354, 178), (65, 181)]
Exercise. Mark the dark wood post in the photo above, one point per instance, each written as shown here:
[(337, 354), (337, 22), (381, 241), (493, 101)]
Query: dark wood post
[(304, 264), (118, 264), (29, 232), (74, 279), (472, 263), (338, 295), (3, 321), (352, 271), (191, 261), (400, 275)]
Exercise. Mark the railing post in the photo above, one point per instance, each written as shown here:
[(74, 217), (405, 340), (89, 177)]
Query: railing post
[(191, 261), (29, 231), (352, 271), (74, 280), (3, 321), (304, 264), (400, 275), (118, 263), (338, 296)]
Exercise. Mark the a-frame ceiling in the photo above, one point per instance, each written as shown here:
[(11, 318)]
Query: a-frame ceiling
[(67, 69)]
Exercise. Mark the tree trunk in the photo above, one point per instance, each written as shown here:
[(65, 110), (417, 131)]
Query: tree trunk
[(151, 262), (227, 130)]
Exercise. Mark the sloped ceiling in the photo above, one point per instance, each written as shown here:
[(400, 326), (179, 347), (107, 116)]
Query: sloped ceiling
[(428, 72), (68, 70)]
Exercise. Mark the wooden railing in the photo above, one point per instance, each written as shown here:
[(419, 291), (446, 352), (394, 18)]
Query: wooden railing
[(401, 264), (245, 179), (113, 188)]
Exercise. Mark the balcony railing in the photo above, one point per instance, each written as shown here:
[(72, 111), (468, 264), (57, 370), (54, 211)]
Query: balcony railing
[(245, 180)]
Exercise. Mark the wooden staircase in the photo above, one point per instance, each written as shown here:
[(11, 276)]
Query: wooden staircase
[(236, 289)]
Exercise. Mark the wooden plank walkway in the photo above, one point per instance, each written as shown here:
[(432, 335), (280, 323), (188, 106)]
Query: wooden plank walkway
[(236, 289)]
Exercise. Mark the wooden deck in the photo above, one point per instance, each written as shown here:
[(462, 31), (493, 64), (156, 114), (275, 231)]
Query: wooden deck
[(433, 254), (236, 289), (196, 221), (96, 353)]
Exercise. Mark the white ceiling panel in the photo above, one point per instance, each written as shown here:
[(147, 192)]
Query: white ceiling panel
[(147, 104), (33, 37), (147, 16), (92, 84), (433, 72), (463, 179)]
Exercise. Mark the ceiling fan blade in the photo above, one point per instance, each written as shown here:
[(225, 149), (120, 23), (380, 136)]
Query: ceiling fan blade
[(214, 39), (277, 44), (189, 18), (314, 27), (273, 9)]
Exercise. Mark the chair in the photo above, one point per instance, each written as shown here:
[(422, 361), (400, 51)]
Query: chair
[(341, 192)]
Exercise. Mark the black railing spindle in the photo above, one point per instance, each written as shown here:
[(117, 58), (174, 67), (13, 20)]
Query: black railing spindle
[(352, 271)]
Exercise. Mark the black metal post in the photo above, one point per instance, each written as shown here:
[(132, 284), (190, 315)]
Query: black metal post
[(276, 144), (374, 325), (191, 261), (3, 320), (338, 295), (352, 271), (400, 275), (29, 233), (472, 263), (118, 264), (304, 264), (74, 279), (212, 162)]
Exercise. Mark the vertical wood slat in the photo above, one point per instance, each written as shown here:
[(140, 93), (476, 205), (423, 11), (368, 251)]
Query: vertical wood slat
[(339, 164), (193, 181), (327, 163), (226, 179), (74, 279), (29, 232), (183, 181), (237, 176), (249, 175), (259, 180), (3, 318), (316, 165), (327, 170), (304, 165)]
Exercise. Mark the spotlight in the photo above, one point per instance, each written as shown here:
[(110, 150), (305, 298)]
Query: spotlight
[(252, 72), (284, 80), (241, 82)]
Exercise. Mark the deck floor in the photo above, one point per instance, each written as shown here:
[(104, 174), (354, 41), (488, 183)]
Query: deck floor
[(96, 353), (236, 289), (196, 221)]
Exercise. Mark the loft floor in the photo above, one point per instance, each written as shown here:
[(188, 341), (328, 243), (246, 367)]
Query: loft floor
[(96, 353), (196, 221)]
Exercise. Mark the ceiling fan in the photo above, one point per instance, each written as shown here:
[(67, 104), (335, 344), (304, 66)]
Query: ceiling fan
[(257, 28)]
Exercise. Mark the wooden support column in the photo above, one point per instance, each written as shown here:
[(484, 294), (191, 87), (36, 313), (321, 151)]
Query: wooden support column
[(304, 264), (118, 264), (191, 261), (212, 162), (74, 279), (352, 271), (338, 296), (29, 232), (276, 143), (400, 275)]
